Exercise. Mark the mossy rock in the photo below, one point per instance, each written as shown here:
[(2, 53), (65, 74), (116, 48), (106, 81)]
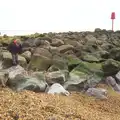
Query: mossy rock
[(111, 67), (82, 75), (115, 53), (90, 58), (89, 68), (39, 63), (85, 75), (6, 41), (72, 60), (60, 62)]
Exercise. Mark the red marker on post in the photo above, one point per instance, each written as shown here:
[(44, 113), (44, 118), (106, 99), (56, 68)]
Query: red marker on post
[(113, 17)]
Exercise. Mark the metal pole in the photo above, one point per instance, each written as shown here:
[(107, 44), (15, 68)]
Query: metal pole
[(112, 24)]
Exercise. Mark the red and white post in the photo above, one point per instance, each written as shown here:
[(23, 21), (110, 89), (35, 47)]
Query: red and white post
[(113, 17)]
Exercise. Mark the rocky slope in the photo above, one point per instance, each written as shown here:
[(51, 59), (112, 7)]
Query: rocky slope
[(73, 57), (72, 61)]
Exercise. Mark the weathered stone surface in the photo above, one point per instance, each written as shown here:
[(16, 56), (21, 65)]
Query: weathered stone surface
[(60, 62), (15, 70), (97, 92), (57, 42), (90, 58), (29, 43), (115, 54), (111, 67), (35, 82), (7, 60), (27, 55), (3, 78), (32, 84), (64, 48), (74, 43), (56, 77), (85, 75), (98, 30), (42, 52), (41, 59), (90, 38), (112, 82), (39, 63), (117, 76)]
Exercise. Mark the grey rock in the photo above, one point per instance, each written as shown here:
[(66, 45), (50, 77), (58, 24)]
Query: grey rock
[(3, 78), (111, 81), (27, 55), (56, 77), (97, 92)]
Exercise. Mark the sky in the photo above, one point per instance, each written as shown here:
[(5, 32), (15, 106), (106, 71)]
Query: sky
[(29, 16)]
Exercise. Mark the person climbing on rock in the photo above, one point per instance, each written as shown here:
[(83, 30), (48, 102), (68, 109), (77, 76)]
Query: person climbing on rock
[(15, 48)]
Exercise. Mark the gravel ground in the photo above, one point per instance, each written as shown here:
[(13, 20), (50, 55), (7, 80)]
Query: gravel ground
[(28, 105)]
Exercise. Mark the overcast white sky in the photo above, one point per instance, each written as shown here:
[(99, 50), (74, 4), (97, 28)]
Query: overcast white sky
[(24, 16)]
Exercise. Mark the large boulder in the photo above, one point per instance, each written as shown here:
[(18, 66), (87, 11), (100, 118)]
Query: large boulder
[(43, 52), (57, 42), (27, 55), (96, 56), (102, 54), (72, 42), (75, 80), (72, 60), (36, 82), (45, 45), (41, 59), (90, 47), (112, 82), (38, 75), (7, 60), (56, 77), (29, 43), (59, 62), (110, 67), (3, 78), (90, 39), (35, 42), (39, 41), (114, 39), (57, 89), (32, 84), (107, 46), (39, 63), (98, 30), (89, 58), (117, 76), (115, 53), (102, 37), (15, 70), (85, 75), (53, 50), (64, 48), (5, 41), (98, 93)]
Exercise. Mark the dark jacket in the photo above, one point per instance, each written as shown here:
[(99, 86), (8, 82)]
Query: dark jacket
[(14, 49)]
